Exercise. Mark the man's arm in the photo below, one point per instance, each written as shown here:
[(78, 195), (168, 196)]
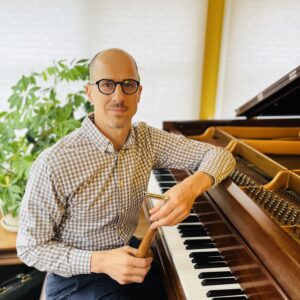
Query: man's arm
[(42, 210), (211, 165)]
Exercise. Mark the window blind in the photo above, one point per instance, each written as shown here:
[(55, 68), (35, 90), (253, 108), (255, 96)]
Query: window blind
[(165, 37), (260, 44)]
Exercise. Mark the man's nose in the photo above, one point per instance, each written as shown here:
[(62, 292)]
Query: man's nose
[(118, 94)]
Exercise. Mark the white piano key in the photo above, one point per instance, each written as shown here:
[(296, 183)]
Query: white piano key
[(188, 275)]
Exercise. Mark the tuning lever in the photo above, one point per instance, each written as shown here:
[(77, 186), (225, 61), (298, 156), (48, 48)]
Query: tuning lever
[(149, 236)]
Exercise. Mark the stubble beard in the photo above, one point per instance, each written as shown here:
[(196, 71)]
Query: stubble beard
[(119, 124)]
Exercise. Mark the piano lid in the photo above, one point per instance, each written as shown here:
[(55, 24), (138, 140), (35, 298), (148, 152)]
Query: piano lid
[(280, 99)]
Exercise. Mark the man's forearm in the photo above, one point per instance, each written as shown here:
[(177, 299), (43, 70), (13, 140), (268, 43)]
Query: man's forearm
[(199, 182), (56, 258)]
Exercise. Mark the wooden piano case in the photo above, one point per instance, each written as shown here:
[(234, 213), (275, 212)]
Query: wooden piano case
[(258, 206)]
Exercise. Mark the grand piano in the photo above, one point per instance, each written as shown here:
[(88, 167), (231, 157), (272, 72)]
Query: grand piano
[(242, 238)]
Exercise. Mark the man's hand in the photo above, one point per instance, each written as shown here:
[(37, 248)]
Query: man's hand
[(121, 264), (182, 197)]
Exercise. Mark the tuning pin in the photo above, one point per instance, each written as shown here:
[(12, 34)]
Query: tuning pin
[(277, 206), (266, 201), (244, 179), (235, 174), (258, 191), (294, 217), (240, 179), (287, 215), (232, 173), (282, 210), (271, 204), (262, 196), (251, 190)]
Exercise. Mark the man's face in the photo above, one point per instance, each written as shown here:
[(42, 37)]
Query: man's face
[(114, 111)]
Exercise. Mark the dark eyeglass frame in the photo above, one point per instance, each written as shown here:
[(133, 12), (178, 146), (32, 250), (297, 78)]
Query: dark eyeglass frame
[(115, 85)]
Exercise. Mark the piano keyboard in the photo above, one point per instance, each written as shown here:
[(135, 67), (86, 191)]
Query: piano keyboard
[(201, 268)]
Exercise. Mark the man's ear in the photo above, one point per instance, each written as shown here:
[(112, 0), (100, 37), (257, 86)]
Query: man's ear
[(88, 91), (140, 92)]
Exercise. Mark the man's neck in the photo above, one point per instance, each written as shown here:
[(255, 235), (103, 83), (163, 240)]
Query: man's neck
[(117, 136)]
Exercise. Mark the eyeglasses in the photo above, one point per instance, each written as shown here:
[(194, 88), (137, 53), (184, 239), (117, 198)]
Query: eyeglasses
[(108, 86)]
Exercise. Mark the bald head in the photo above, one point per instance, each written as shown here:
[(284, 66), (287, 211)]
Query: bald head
[(113, 58)]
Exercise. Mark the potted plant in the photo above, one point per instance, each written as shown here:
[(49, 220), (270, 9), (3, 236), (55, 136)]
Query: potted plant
[(43, 107)]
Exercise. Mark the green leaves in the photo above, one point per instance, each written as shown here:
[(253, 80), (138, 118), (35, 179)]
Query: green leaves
[(40, 113), (15, 101)]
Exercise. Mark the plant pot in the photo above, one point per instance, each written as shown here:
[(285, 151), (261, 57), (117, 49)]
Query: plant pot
[(9, 222)]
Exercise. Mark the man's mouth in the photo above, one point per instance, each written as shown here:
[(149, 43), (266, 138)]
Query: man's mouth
[(118, 109)]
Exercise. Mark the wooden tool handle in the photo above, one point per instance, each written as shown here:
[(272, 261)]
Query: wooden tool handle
[(149, 236), (146, 243)]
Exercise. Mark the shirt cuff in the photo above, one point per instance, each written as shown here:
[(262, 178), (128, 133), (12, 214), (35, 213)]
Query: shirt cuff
[(80, 261)]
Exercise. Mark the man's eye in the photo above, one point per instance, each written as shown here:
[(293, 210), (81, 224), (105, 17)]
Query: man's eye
[(107, 84), (128, 84)]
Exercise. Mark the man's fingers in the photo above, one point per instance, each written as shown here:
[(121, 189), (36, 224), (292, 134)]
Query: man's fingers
[(130, 250), (170, 219), (132, 279), (136, 261), (162, 212), (157, 207), (142, 262)]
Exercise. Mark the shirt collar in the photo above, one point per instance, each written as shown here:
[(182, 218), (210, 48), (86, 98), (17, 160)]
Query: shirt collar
[(96, 136)]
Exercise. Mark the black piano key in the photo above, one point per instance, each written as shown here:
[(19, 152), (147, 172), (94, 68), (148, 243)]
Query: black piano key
[(164, 190), (219, 274), (190, 219), (197, 241), (218, 281), (203, 246), (161, 178), (161, 171), (190, 226), (199, 244), (197, 260), (183, 230), (164, 184), (186, 230), (204, 254), (193, 234), (210, 265), (230, 298), (220, 293)]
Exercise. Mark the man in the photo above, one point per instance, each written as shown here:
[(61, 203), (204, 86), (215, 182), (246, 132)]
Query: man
[(83, 196)]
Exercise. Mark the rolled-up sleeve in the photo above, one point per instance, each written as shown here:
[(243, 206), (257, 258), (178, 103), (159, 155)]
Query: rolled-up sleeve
[(175, 151), (42, 210)]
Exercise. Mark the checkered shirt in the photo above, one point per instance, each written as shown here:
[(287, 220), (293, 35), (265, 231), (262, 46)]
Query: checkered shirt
[(83, 196)]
